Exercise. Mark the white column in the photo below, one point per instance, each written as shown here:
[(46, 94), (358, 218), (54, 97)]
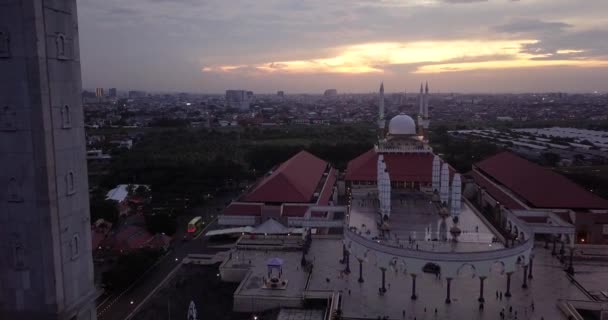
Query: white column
[(456, 195), (436, 173), (445, 183)]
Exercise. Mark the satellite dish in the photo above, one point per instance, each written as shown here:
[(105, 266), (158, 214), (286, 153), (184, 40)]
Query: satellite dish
[(192, 311)]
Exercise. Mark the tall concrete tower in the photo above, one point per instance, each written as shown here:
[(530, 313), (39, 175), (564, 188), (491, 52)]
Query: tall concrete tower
[(46, 268)]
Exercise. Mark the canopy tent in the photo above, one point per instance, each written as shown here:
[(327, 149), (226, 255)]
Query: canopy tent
[(274, 262)]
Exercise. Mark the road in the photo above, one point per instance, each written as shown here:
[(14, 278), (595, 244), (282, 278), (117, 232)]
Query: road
[(118, 305)]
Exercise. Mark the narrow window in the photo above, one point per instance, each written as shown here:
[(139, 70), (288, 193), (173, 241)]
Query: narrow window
[(14, 192), (60, 46), (18, 251), (66, 117), (75, 250), (5, 49), (8, 119), (71, 189)]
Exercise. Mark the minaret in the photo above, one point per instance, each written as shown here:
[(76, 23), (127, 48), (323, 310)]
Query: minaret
[(421, 102), (456, 194), (381, 121), (45, 229), (426, 101)]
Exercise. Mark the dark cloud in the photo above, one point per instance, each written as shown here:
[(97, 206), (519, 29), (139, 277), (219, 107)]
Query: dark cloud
[(532, 26), (592, 43)]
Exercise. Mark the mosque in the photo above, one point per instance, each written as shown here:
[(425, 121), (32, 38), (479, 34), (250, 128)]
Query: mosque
[(397, 208)]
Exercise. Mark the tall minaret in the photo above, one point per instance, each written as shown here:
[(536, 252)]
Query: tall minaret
[(45, 228), (381, 121), (426, 101), (421, 102)]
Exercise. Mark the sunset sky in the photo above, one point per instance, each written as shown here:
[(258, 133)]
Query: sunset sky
[(306, 46)]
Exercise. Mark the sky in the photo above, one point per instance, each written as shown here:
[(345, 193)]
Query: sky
[(307, 46)]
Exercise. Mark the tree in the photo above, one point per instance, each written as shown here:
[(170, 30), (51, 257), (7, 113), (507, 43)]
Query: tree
[(550, 159), (101, 208)]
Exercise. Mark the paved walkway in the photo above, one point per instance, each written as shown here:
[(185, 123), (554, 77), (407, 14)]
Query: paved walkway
[(549, 284)]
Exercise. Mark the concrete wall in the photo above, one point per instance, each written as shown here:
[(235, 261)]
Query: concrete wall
[(244, 303), (46, 269)]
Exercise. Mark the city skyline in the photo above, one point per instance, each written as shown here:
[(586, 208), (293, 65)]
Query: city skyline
[(458, 45)]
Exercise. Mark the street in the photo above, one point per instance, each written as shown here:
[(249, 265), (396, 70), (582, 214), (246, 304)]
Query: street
[(117, 306)]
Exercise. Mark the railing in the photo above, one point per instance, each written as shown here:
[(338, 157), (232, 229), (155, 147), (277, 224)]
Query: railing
[(439, 256)]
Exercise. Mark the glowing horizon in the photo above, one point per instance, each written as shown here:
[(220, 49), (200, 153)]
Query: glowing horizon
[(430, 56)]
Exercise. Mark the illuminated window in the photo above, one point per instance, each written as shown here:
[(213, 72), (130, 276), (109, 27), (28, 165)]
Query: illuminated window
[(66, 117), (71, 188), (14, 192), (60, 46), (5, 49), (8, 119)]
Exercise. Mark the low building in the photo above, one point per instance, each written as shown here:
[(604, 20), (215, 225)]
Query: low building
[(302, 186), (506, 181)]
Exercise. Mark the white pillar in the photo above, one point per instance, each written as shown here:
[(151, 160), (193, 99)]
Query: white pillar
[(456, 195), (445, 183), (436, 173)]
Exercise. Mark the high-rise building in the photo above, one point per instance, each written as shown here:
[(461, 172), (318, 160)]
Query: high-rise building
[(112, 93), (238, 99), (99, 92), (46, 268), (281, 94), (330, 92)]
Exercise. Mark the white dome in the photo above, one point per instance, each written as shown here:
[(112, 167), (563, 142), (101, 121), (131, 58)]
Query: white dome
[(402, 124)]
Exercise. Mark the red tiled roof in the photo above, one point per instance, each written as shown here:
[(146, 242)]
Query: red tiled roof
[(295, 180), (243, 209), (540, 187), (328, 188), (496, 193), (416, 167), (294, 211), (128, 238)]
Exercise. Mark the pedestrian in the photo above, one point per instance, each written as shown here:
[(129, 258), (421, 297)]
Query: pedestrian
[(349, 292), (496, 294), (435, 310), (532, 306), (510, 309), (501, 296), (424, 309)]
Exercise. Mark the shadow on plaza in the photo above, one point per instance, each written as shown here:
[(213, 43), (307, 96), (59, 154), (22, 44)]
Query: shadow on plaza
[(212, 297)]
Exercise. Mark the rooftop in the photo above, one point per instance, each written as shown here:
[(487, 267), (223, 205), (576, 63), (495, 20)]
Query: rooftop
[(295, 180), (401, 166), (538, 186)]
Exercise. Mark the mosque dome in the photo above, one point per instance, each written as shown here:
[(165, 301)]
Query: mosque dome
[(402, 124)]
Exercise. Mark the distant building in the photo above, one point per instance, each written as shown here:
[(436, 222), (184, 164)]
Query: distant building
[(136, 94), (280, 94), (112, 93), (99, 92), (238, 99), (330, 92)]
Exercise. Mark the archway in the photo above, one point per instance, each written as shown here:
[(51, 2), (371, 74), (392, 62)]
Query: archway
[(466, 269), (497, 267)]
